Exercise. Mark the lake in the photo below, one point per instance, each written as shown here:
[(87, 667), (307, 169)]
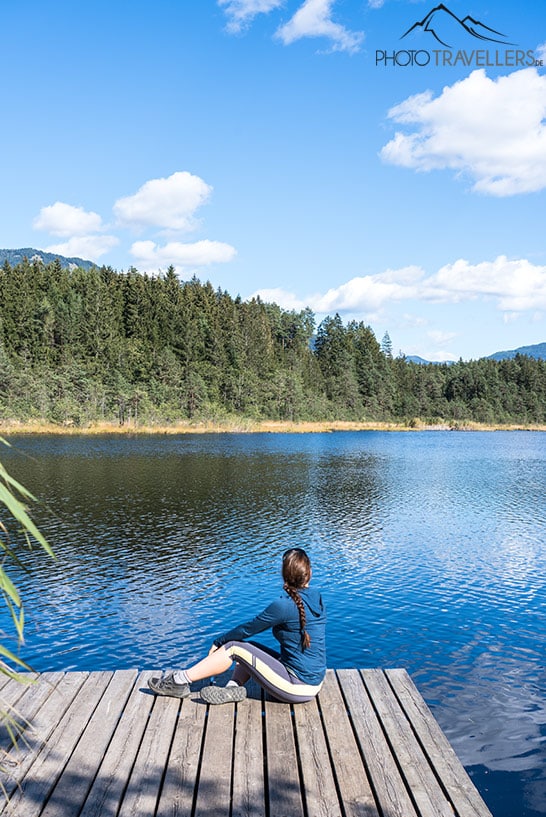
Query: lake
[(429, 547)]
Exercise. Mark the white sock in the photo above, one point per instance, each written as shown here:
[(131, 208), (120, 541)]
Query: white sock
[(232, 683), (180, 677)]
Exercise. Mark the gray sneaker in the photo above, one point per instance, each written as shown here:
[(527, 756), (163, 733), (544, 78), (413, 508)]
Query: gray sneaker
[(223, 695), (168, 686)]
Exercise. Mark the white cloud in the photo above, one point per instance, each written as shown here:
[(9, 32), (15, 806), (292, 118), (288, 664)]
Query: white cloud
[(314, 19), (150, 256), (82, 229), (366, 294), (492, 130), (511, 317), (167, 204), (162, 205), (66, 220), (88, 247), (376, 4), (241, 12), (515, 286), (413, 321), (370, 292), (440, 337)]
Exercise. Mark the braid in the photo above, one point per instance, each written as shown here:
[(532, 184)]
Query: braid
[(296, 598)]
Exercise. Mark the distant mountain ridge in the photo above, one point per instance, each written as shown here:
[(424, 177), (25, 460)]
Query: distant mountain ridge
[(16, 256), (417, 359), (442, 24), (538, 351)]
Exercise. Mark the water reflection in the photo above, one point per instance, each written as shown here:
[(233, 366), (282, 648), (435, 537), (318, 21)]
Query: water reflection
[(429, 547)]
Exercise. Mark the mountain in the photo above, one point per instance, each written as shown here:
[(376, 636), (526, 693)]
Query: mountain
[(417, 359), (16, 256), (422, 362), (446, 27), (537, 351)]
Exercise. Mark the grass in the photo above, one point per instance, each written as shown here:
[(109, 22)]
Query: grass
[(247, 426)]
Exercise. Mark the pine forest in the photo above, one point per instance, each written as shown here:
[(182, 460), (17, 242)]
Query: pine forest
[(83, 346)]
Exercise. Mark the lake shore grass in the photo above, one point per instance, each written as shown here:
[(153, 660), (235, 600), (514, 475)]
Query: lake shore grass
[(249, 426)]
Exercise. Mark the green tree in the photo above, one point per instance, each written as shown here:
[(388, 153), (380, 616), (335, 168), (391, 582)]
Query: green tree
[(334, 349), (82, 345), (386, 345)]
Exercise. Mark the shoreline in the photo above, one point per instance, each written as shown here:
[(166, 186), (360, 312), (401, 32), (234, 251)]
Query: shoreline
[(247, 426)]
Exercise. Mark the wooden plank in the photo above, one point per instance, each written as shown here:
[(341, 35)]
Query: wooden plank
[(425, 789), (43, 723), (321, 798), (22, 700), (20, 694), (109, 785), (367, 746), (80, 771), (283, 781), (214, 785), (355, 790), (44, 703), (11, 690), (177, 794), (4, 679), (142, 794), (464, 796), (248, 798), (389, 788), (28, 800)]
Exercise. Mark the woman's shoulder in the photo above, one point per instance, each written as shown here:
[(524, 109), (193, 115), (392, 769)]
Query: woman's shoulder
[(313, 598), (281, 604)]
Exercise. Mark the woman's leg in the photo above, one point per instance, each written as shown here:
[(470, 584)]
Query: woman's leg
[(218, 662), (177, 684), (240, 675), (215, 663), (252, 660), (268, 671)]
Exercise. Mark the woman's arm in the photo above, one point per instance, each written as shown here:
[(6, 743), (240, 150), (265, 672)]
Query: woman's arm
[(275, 613)]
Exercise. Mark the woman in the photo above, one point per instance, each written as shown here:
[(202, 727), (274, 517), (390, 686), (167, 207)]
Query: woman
[(294, 675)]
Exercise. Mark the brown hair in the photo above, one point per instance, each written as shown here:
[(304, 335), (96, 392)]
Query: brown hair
[(296, 572)]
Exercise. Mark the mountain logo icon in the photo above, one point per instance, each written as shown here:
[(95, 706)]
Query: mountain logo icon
[(443, 25)]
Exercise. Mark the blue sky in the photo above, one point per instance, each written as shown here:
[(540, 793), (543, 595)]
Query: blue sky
[(264, 146)]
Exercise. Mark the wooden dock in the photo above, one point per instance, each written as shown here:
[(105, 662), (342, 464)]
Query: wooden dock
[(100, 744)]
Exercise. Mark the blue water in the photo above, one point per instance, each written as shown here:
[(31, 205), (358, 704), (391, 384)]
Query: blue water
[(429, 548)]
